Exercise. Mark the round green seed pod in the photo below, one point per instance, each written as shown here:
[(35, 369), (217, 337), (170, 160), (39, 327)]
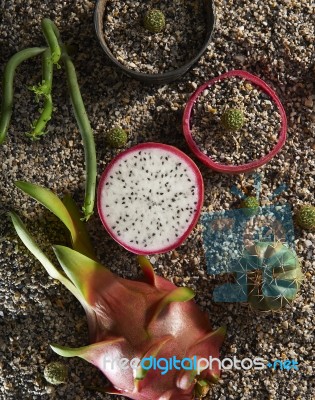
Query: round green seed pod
[(232, 119), (250, 206), (154, 21), (56, 373), (306, 217), (116, 137)]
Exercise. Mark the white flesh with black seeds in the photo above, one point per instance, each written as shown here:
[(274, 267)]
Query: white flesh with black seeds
[(149, 198)]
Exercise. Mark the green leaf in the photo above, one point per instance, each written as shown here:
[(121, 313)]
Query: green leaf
[(67, 213), (88, 275), (48, 199), (80, 227), (147, 269), (32, 246), (89, 353), (140, 372), (180, 294)]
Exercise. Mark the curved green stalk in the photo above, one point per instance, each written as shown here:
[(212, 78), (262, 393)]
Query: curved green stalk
[(66, 211), (7, 90), (84, 127), (86, 133), (32, 246), (45, 90), (49, 33), (47, 75), (50, 57)]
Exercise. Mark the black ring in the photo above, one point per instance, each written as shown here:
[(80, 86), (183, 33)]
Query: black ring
[(147, 77)]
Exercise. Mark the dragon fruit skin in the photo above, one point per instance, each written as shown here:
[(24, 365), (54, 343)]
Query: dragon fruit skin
[(132, 319), (128, 319)]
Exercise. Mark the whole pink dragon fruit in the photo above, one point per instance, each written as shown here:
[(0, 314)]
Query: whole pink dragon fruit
[(130, 319)]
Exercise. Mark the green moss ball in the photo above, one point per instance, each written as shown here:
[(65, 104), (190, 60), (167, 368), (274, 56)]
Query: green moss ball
[(56, 373), (116, 137), (250, 205), (306, 217), (232, 119), (154, 21)]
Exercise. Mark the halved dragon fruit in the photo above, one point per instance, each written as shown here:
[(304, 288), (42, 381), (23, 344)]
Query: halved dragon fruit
[(150, 197)]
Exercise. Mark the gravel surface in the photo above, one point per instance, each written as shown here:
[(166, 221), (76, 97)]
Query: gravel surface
[(273, 39)]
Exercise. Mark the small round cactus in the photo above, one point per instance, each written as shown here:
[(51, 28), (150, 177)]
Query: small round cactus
[(250, 205), (154, 21), (306, 217), (56, 373), (116, 137), (232, 119), (274, 275)]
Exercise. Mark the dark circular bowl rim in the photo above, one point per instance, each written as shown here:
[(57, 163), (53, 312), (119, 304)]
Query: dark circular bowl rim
[(164, 77), (242, 168)]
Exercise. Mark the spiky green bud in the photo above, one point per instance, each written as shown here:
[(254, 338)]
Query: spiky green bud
[(56, 373), (154, 21), (232, 119), (274, 275), (306, 217), (250, 206), (116, 137)]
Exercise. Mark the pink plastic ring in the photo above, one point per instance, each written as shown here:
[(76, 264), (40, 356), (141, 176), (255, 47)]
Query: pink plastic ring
[(234, 169)]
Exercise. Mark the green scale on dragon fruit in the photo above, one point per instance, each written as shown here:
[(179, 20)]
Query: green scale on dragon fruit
[(150, 197)]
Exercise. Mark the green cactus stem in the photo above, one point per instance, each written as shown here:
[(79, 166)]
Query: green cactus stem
[(84, 126), (52, 40), (306, 217), (50, 57), (154, 21), (44, 90), (232, 119), (7, 87)]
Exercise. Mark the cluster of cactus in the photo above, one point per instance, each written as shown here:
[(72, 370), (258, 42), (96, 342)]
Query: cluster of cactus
[(273, 275), (306, 217), (154, 21), (232, 119)]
